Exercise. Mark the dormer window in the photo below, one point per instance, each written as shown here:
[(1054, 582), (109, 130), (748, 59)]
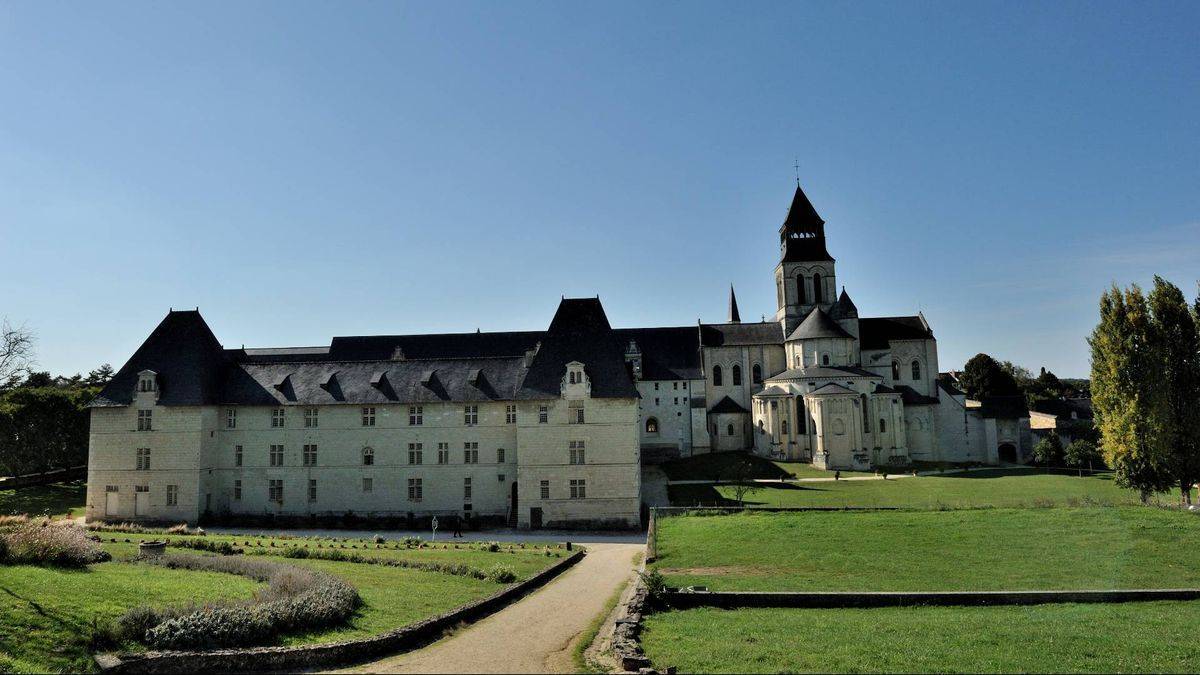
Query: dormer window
[(147, 381), (575, 375)]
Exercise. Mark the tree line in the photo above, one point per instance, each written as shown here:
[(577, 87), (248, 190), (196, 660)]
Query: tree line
[(1146, 387), (43, 418)]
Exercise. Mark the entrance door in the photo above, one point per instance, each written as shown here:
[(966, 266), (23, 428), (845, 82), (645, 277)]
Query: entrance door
[(535, 518), (141, 500), (1008, 453), (112, 500)]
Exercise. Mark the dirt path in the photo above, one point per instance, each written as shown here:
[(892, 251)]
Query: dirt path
[(535, 634)]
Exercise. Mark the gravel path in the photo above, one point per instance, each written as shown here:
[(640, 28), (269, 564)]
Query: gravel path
[(535, 634)]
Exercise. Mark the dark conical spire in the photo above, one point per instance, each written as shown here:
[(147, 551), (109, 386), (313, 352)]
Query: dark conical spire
[(734, 316), (844, 307), (802, 235)]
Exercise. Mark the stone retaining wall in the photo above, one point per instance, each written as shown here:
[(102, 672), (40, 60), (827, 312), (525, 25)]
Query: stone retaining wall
[(55, 476), (626, 644), (735, 599), (307, 657)]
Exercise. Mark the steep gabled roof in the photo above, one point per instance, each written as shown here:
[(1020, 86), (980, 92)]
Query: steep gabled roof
[(727, 406), (579, 332), (818, 324), (186, 356), (670, 353), (832, 389), (844, 308), (741, 334), (878, 332)]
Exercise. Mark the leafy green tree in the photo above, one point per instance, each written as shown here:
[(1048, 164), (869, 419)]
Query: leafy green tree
[(1177, 344), (983, 376), (1082, 453), (99, 377), (1049, 451), (1128, 405)]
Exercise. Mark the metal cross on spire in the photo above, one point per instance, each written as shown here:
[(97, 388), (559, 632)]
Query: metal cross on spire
[(797, 166)]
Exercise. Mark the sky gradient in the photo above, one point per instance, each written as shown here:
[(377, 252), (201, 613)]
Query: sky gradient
[(303, 170)]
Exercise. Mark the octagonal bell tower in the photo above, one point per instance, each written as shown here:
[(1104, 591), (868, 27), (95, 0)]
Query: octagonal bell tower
[(804, 277)]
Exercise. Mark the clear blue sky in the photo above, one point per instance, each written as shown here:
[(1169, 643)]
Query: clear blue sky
[(302, 170)]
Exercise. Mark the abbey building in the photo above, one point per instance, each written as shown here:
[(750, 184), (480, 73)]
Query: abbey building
[(544, 428)]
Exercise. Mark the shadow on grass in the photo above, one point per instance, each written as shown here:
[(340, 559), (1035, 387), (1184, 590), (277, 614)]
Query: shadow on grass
[(54, 499), (708, 495), (722, 466)]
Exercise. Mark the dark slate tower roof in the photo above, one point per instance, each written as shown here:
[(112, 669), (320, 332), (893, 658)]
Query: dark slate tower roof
[(818, 324), (185, 355), (844, 308), (734, 316), (802, 235), (579, 332)]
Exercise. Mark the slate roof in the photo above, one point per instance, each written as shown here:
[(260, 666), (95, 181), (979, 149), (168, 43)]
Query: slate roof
[(1062, 408), (667, 353), (740, 334), (825, 372), (911, 396), (832, 389), (802, 234), (434, 346), (186, 356), (727, 406), (878, 332), (818, 324), (1006, 407), (844, 307), (579, 332)]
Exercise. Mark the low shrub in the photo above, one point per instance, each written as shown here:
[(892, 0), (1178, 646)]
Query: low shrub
[(218, 547), (501, 574), (295, 599), (455, 569), (134, 528), (41, 543), (15, 519), (492, 546)]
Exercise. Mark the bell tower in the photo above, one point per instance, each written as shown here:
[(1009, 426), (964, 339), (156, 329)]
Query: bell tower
[(804, 277)]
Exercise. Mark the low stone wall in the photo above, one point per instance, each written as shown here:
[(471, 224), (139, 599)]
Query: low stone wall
[(307, 657), (737, 599), (626, 645), (55, 476)]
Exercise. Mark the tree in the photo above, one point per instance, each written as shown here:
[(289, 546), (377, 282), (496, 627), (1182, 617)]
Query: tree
[(1176, 343), (983, 376), (1128, 405), (743, 480), (100, 376), (1049, 451), (16, 354), (1081, 453)]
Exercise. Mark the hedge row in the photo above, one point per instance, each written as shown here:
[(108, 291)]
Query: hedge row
[(499, 573)]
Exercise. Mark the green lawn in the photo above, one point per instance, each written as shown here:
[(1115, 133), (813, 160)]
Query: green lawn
[(978, 549), (55, 499), (46, 613), (722, 466), (998, 487), (1129, 637)]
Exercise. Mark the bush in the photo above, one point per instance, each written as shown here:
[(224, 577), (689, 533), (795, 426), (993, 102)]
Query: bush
[(1083, 453), (1049, 451), (492, 547), (501, 574), (378, 539), (134, 528), (455, 569), (41, 543), (219, 547), (656, 587), (295, 600)]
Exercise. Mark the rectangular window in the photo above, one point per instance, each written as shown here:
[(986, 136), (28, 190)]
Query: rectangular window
[(578, 489), (543, 414), (111, 488), (655, 386), (470, 414), (172, 495), (443, 453), (276, 455), (575, 412), (576, 450), (470, 453), (656, 401), (368, 485), (275, 491), (144, 417), (510, 414), (368, 417), (237, 490), (414, 490), (143, 459), (416, 415), (310, 417), (312, 490), (415, 453), (466, 489), (500, 455), (675, 385), (231, 418), (237, 455), (310, 455), (545, 489), (685, 385), (368, 456), (277, 417)]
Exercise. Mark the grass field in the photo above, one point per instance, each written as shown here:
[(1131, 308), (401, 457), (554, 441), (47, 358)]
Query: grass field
[(56, 499), (722, 466), (979, 549), (46, 614), (998, 487), (1130, 637)]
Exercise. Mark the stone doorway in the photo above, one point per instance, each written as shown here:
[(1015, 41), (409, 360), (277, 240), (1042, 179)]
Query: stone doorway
[(1008, 453)]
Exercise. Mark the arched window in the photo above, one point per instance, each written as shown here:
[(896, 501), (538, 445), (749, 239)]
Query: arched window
[(800, 289), (756, 374), (882, 426), (783, 427), (729, 430), (825, 359), (916, 370), (716, 376), (737, 375), (801, 416), (571, 377), (866, 415), (368, 456), (895, 371), (839, 427), (651, 425), (818, 296)]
